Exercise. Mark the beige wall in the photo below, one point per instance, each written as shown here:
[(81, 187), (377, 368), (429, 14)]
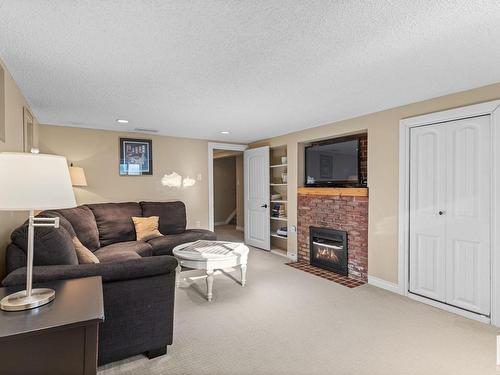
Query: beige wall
[(383, 164), (13, 141), (224, 188), (2, 104), (97, 151), (240, 214)]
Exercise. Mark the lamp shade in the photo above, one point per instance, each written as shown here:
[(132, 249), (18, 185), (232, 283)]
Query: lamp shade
[(77, 175), (34, 182)]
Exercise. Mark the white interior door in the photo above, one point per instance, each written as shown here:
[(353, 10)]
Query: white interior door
[(257, 205), (450, 214), (468, 214), (427, 197)]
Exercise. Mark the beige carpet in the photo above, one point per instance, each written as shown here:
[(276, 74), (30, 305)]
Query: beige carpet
[(286, 321)]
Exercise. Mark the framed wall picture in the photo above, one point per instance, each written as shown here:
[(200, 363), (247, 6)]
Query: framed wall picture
[(136, 157), (28, 131)]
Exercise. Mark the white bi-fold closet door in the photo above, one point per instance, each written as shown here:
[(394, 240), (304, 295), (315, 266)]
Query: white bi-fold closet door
[(450, 212)]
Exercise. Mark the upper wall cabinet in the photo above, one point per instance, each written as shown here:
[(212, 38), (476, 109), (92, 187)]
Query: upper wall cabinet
[(2, 105)]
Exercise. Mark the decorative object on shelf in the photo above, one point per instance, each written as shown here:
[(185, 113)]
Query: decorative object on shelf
[(33, 181), (77, 175), (28, 131), (278, 210), (284, 178), (284, 160), (283, 232), (275, 197), (136, 157)]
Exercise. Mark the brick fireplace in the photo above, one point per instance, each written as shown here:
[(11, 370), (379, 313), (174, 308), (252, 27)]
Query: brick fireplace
[(340, 209)]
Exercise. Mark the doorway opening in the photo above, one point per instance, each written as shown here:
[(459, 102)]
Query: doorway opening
[(226, 201), (228, 190)]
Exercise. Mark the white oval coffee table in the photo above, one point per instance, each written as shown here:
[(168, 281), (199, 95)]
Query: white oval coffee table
[(211, 256)]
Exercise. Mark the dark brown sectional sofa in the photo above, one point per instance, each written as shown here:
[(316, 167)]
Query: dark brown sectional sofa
[(138, 277)]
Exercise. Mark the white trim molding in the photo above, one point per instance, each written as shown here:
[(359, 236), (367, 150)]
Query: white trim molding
[(228, 220), (489, 108), (211, 147), (383, 284), (449, 308)]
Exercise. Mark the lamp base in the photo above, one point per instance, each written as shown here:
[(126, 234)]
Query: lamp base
[(19, 301)]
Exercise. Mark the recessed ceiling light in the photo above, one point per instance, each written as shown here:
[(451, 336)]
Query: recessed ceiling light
[(224, 132), (122, 121)]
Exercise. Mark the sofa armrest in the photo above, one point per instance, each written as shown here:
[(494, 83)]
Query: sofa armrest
[(205, 234), (127, 270)]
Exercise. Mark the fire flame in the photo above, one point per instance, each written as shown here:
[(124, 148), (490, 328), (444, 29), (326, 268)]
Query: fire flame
[(328, 254)]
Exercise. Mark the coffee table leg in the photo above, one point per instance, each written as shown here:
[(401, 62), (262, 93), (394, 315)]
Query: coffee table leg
[(243, 274), (177, 275), (210, 284)]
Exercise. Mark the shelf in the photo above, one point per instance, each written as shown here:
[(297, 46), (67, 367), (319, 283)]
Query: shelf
[(278, 165), (279, 218), (341, 192), (277, 169)]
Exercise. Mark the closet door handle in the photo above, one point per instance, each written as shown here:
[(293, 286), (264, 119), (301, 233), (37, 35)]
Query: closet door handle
[(441, 213), (264, 205)]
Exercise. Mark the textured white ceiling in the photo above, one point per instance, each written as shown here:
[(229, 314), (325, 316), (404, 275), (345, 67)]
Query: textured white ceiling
[(257, 68)]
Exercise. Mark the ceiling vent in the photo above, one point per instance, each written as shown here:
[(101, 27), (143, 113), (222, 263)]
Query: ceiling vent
[(146, 130)]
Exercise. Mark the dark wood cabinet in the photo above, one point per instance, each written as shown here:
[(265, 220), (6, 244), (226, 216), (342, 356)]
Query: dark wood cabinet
[(58, 338)]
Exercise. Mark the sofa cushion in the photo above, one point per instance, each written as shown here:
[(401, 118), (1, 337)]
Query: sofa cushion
[(84, 255), (118, 257), (53, 246), (63, 222), (114, 221), (146, 228), (172, 215), (116, 251), (15, 258), (164, 245), (84, 225)]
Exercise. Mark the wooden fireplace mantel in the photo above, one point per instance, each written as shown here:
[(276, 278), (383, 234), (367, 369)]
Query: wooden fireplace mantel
[(343, 192)]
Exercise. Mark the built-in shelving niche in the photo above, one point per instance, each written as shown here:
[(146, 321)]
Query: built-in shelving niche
[(279, 186)]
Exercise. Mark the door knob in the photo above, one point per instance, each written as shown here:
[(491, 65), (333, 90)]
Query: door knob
[(264, 205), (441, 213)]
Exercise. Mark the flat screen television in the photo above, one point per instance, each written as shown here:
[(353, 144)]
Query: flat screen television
[(334, 163)]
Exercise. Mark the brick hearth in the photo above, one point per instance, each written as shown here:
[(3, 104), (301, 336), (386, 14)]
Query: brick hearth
[(348, 213)]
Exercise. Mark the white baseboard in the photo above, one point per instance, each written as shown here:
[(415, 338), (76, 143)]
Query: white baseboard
[(228, 220), (452, 309), (241, 229), (231, 216), (383, 284), (391, 287)]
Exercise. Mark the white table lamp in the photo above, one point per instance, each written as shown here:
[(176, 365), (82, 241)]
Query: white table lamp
[(32, 182)]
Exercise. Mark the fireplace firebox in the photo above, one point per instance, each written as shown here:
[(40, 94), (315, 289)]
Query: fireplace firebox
[(328, 249)]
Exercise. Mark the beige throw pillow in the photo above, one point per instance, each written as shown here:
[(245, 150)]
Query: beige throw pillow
[(84, 255), (146, 228)]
